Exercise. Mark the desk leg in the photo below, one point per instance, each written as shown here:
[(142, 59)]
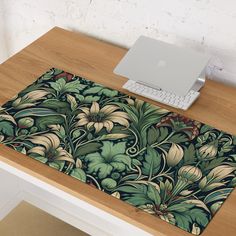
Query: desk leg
[(10, 193)]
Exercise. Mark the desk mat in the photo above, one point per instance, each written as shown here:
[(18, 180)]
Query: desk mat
[(172, 167)]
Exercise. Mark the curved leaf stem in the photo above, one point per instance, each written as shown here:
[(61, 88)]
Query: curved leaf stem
[(133, 146), (21, 143), (138, 182), (68, 169), (23, 137), (83, 143), (95, 181), (81, 137), (105, 101), (157, 144), (163, 174), (164, 141), (67, 130)]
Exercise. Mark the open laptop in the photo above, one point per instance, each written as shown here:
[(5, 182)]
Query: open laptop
[(163, 66)]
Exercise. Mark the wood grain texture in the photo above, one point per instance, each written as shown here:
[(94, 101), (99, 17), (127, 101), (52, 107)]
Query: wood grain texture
[(95, 60)]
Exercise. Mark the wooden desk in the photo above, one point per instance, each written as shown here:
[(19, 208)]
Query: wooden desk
[(95, 60)]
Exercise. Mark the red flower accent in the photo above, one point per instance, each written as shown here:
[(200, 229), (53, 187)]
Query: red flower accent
[(22, 127), (66, 75), (181, 123), (16, 144)]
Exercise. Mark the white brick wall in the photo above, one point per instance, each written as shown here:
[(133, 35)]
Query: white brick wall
[(204, 25)]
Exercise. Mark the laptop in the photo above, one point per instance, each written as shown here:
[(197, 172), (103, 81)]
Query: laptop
[(162, 65)]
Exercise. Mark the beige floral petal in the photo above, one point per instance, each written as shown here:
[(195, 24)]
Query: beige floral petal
[(85, 110), (41, 140), (24, 105), (220, 172), (81, 115), (65, 158), (55, 141), (16, 102), (162, 111), (98, 126), (116, 194), (1, 138), (39, 150), (82, 122), (35, 95), (138, 103), (130, 101), (108, 125), (119, 120), (109, 109), (7, 117), (47, 140), (94, 108), (63, 153), (120, 114), (54, 127), (90, 124)]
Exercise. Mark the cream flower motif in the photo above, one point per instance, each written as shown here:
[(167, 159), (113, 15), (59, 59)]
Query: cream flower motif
[(186, 175), (104, 117), (162, 212), (48, 147), (189, 173), (209, 150), (5, 116), (175, 155), (215, 177), (28, 99)]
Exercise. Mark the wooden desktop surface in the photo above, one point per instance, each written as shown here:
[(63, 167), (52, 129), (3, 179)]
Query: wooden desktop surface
[(95, 60)]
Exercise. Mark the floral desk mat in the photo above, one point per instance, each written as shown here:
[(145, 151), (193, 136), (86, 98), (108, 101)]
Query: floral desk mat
[(172, 167)]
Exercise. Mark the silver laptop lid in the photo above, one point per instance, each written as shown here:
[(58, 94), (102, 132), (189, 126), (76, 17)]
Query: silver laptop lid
[(163, 65)]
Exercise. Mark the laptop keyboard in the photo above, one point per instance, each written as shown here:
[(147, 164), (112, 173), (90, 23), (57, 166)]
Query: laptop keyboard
[(159, 95)]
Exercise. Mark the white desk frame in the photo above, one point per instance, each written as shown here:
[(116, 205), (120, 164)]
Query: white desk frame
[(17, 186)]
